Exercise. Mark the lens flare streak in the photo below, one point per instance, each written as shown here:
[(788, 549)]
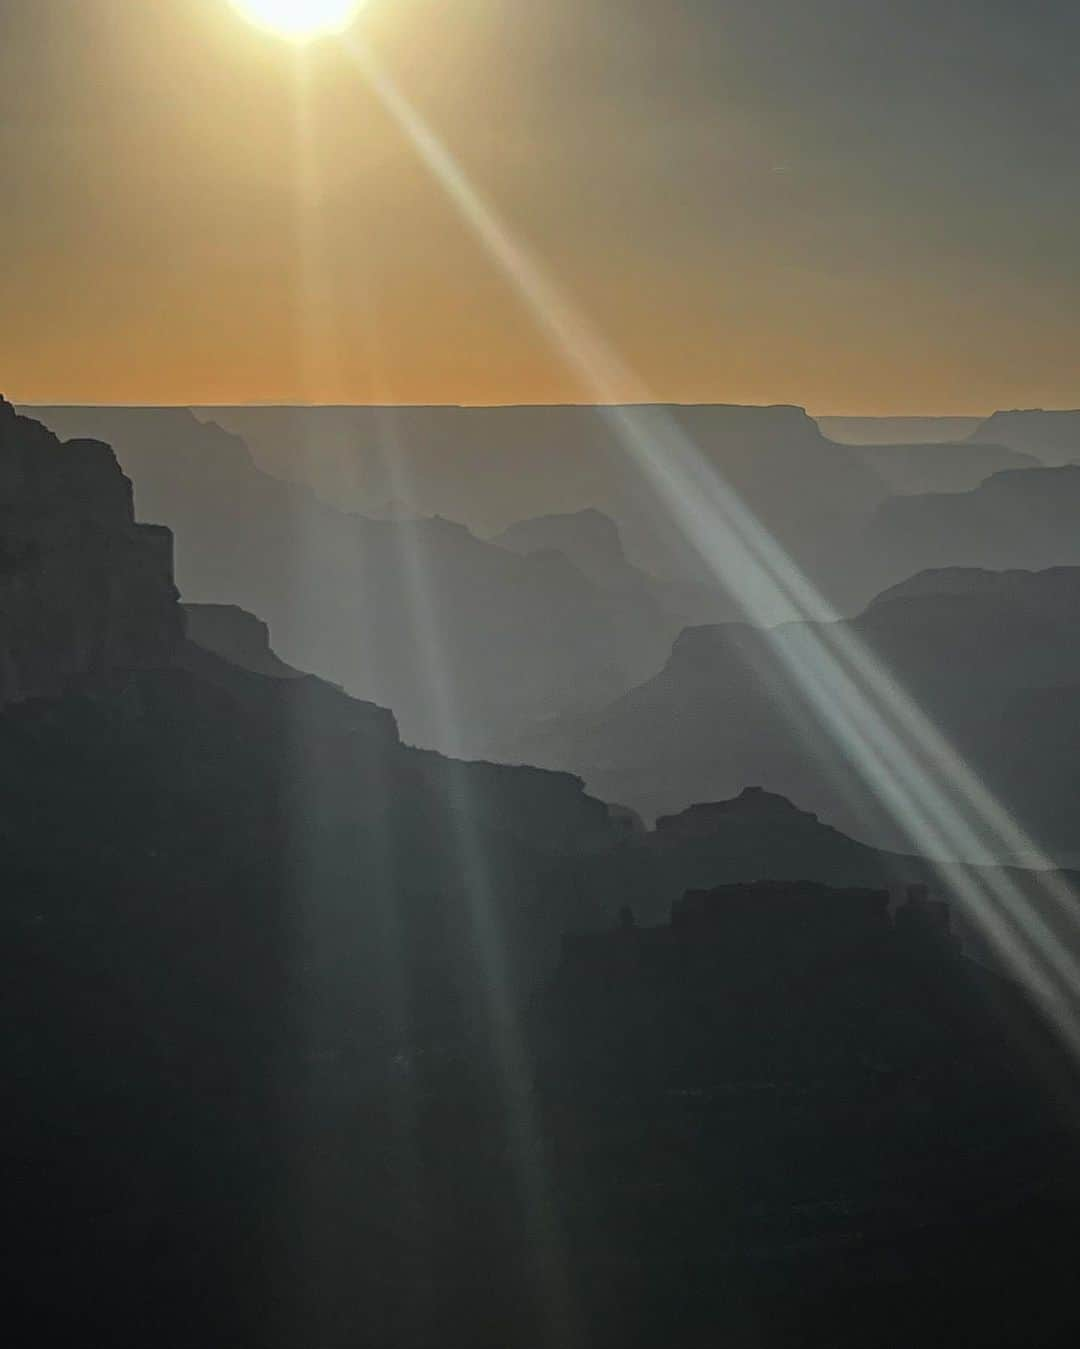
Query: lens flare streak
[(933, 795)]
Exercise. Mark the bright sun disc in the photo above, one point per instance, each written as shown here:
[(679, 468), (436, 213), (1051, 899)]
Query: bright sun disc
[(300, 19)]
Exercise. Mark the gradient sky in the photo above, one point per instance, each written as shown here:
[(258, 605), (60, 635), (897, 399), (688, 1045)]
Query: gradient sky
[(861, 206)]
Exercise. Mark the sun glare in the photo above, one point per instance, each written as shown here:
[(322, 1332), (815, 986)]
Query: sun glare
[(300, 19)]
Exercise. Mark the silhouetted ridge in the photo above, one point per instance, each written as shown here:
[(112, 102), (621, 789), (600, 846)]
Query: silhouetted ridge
[(729, 707), (753, 806), (1020, 518), (1054, 591), (767, 921), (785, 1084), (86, 594), (237, 636), (465, 640)]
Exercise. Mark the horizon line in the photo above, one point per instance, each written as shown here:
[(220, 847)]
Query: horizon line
[(278, 403)]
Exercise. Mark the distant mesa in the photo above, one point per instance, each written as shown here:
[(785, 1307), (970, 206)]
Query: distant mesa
[(1021, 518), (495, 466), (907, 470), (1053, 436), (898, 430)]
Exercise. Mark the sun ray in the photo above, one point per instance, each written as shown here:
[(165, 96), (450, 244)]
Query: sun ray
[(556, 1301), (938, 803)]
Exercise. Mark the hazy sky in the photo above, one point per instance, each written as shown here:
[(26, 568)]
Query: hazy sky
[(866, 206)]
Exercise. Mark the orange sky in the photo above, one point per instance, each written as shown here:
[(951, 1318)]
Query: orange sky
[(184, 224)]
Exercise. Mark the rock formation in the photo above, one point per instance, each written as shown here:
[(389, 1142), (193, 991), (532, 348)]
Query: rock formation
[(86, 594), (729, 707), (237, 636)]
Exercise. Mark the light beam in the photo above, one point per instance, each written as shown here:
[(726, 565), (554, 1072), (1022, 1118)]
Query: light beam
[(932, 794)]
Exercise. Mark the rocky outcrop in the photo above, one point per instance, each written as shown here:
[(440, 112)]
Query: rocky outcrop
[(753, 809), (237, 636), (86, 594)]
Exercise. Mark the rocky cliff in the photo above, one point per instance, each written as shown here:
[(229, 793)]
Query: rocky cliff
[(86, 594), (237, 636)]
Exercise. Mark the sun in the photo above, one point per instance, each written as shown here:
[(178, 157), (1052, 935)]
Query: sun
[(300, 19)]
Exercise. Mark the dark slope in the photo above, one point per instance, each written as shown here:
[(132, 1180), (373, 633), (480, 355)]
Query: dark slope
[(244, 959), (784, 1119)]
